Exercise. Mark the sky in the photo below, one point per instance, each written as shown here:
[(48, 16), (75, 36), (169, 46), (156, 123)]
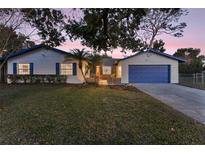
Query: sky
[(194, 36)]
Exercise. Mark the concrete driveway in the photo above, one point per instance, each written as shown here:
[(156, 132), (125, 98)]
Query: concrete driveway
[(187, 100)]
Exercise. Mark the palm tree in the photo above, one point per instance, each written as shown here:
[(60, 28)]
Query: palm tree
[(80, 55), (94, 60)]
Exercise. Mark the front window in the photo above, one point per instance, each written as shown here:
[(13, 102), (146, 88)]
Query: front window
[(66, 69), (107, 70), (23, 69)]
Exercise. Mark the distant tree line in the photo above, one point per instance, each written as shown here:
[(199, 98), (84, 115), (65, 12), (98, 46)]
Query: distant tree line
[(194, 61)]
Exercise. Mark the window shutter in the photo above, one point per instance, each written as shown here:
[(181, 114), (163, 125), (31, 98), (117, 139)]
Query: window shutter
[(74, 69), (57, 69), (31, 68), (14, 68)]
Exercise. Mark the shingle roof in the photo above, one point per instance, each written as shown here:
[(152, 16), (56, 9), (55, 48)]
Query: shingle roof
[(156, 52), (23, 51), (108, 61)]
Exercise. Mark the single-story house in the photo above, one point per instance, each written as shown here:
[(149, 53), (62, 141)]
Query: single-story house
[(144, 67), (44, 60)]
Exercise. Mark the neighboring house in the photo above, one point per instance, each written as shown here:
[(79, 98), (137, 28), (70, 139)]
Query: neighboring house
[(44, 60), (143, 67)]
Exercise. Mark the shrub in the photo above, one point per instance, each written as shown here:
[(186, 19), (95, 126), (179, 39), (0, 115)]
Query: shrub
[(37, 79)]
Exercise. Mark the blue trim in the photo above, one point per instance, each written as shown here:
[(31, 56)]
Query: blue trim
[(31, 68), (14, 68), (156, 52), (57, 68), (169, 73), (168, 56), (74, 69), (23, 51)]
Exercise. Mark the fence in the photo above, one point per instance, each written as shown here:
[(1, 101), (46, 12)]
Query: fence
[(196, 80)]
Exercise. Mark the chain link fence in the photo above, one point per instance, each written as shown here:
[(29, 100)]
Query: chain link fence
[(196, 80)]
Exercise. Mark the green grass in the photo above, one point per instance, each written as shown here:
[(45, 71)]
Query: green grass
[(60, 114)]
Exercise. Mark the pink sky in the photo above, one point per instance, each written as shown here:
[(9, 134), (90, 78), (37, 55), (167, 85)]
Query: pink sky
[(194, 36)]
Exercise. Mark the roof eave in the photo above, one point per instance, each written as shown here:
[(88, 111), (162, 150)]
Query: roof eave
[(23, 51), (159, 53)]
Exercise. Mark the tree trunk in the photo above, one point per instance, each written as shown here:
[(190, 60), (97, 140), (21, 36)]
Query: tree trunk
[(80, 65), (3, 64), (151, 42), (2, 73), (83, 75)]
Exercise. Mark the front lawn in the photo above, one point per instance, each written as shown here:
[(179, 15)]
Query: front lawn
[(60, 114)]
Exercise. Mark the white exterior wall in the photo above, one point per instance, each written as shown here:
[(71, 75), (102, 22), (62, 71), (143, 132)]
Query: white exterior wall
[(44, 63), (149, 59)]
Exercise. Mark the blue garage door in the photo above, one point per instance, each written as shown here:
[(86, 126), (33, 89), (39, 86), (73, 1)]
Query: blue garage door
[(149, 73)]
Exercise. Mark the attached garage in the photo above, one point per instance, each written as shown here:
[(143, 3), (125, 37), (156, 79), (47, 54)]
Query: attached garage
[(149, 67)]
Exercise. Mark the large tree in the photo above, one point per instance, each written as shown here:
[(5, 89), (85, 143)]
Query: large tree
[(49, 24), (44, 25), (161, 21), (193, 58), (128, 29), (107, 29), (158, 45), (16, 40)]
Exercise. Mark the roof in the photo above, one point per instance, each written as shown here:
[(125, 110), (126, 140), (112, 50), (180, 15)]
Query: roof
[(156, 52), (27, 50), (108, 61)]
